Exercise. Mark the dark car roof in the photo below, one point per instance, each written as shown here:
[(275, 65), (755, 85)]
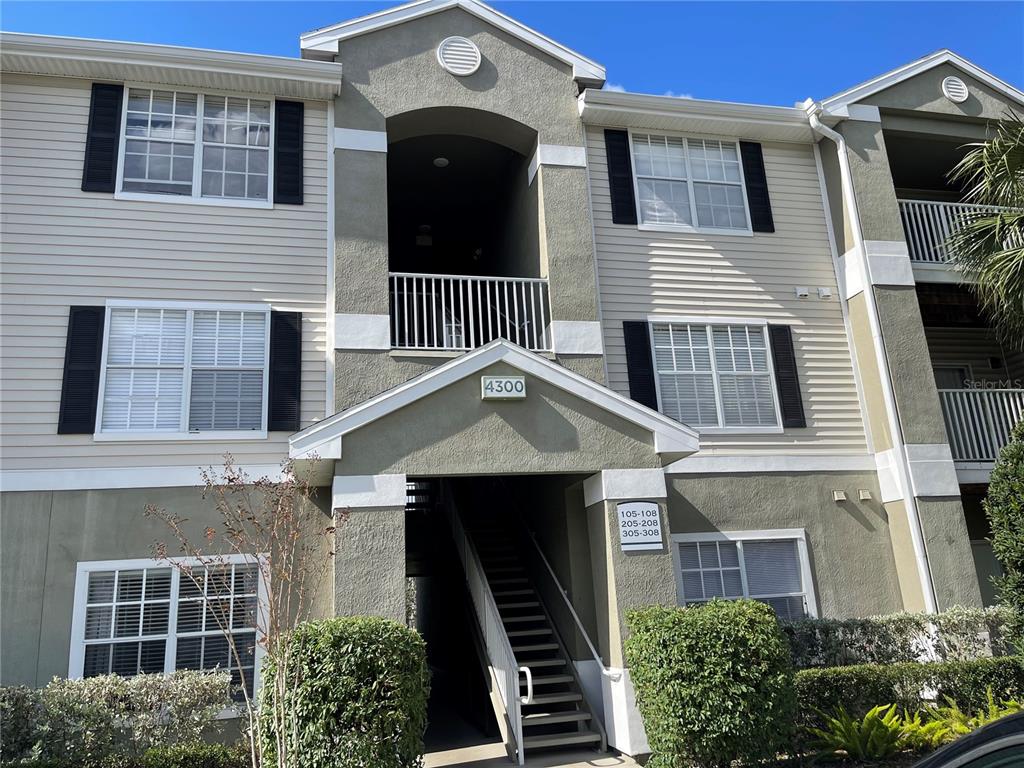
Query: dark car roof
[(1012, 725)]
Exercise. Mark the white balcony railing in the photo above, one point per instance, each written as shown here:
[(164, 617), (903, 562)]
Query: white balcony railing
[(458, 313), (929, 224), (978, 421)]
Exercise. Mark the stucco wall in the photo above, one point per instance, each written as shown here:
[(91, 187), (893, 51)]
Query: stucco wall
[(43, 537), (923, 93), (369, 567), (848, 543), (949, 552)]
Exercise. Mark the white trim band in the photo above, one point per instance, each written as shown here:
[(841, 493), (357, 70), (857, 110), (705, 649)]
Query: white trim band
[(576, 337), (363, 141), (362, 491), (556, 154), (353, 331), (618, 484), (95, 479), (932, 472), (745, 465)]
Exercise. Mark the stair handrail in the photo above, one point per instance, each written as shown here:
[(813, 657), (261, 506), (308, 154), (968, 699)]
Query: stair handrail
[(492, 629), (609, 673)]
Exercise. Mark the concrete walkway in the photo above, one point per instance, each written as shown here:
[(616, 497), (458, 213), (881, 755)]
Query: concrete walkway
[(493, 756)]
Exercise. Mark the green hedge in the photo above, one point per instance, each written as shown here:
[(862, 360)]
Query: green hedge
[(180, 756), (860, 687), (358, 693), (714, 682)]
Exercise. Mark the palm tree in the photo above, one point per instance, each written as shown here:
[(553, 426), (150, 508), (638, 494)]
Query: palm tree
[(988, 247)]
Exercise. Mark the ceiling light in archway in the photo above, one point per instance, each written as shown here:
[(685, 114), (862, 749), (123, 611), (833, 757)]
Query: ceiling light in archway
[(441, 162)]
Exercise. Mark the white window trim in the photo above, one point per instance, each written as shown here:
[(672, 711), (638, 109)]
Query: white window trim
[(196, 198), (708, 322), (777, 534), (182, 435), (76, 655), (693, 228)]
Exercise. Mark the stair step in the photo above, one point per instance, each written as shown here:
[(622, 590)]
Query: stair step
[(545, 663), (513, 593), (534, 647), (548, 679), (529, 632), (554, 698), (551, 718), (505, 569), (560, 740), (489, 558), (525, 604), (513, 580), (521, 619)]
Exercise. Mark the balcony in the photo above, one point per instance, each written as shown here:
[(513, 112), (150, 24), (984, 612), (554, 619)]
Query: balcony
[(928, 224), (978, 421), (458, 313)]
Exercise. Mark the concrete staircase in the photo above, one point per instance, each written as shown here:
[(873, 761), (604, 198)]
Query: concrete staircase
[(558, 715)]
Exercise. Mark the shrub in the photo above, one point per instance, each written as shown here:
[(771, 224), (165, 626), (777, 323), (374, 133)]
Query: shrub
[(958, 634), (196, 756), (98, 721), (358, 696), (713, 682), (860, 687), (959, 723), (875, 736), (1004, 506)]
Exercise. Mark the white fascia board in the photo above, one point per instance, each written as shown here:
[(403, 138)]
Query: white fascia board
[(169, 64), (784, 463), (623, 484), (914, 68), (327, 38), (363, 491), (90, 479), (668, 436)]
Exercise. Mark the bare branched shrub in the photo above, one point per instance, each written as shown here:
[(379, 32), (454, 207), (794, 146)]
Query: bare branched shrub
[(288, 540)]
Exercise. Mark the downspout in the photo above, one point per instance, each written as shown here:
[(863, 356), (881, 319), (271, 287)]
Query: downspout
[(888, 392)]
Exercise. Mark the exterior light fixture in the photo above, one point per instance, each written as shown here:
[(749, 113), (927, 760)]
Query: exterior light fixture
[(440, 162)]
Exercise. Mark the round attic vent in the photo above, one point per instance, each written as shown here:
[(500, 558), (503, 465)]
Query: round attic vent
[(955, 89), (459, 56)]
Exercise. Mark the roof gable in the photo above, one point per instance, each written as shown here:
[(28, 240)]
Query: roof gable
[(324, 439), (900, 74), (326, 39)]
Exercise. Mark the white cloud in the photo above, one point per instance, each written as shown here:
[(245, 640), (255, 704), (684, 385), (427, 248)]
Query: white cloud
[(675, 95), (614, 87)]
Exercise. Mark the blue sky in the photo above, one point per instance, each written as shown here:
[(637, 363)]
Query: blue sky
[(770, 53)]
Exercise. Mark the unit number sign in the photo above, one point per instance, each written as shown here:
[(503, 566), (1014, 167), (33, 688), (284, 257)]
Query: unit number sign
[(502, 387), (639, 525)]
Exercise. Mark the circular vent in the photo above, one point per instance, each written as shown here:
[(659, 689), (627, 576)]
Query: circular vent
[(954, 89), (459, 56)]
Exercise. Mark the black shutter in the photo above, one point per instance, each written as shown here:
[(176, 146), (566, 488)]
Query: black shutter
[(82, 360), (781, 337), (288, 126), (639, 365), (285, 371), (620, 177), (99, 173), (757, 187)]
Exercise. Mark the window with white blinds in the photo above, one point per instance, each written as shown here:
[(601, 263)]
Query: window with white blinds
[(689, 183), (184, 370), (715, 375), (144, 616), (769, 566)]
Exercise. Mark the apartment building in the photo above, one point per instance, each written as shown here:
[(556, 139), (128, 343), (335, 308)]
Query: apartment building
[(557, 351)]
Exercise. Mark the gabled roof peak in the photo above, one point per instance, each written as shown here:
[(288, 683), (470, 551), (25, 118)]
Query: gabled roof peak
[(324, 41), (916, 67)]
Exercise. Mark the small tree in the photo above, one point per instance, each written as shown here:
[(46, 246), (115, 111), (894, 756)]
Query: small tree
[(1004, 506), (289, 539)]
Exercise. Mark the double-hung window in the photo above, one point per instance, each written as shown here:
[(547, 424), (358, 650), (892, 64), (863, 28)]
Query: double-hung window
[(196, 145), (715, 375), (145, 616), (175, 370), (689, 183), (770, 566)]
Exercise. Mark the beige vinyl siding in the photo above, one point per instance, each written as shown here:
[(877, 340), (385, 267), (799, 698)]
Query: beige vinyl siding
[(643, 272), (974, 348), (62, 246)]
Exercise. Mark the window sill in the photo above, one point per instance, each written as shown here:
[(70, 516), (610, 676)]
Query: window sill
[(179, 437), (681, 229), (152, 197)]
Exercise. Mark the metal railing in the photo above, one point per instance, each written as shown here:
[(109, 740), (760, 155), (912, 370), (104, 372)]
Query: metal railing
[(500, 657), (979, 421), (928, 224), (456, 312)]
